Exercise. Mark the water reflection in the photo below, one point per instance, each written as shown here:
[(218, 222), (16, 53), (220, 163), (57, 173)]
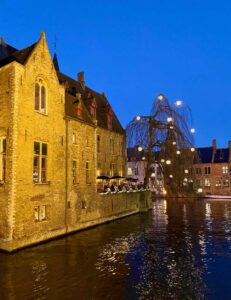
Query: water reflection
[(180, 250)]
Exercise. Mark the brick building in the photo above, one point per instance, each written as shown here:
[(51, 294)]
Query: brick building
[(212, 169), (56, 136)]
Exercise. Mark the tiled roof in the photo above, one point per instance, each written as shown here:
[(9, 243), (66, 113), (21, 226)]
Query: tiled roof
[(10, 54), (74, 86), (222, 156), (205, 155)]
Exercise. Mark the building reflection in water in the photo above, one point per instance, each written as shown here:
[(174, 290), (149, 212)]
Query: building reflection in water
[(180, 250)]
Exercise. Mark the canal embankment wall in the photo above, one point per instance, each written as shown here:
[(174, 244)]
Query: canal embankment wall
[(79, 216)]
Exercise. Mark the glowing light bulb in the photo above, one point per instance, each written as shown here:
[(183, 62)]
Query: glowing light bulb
[(162, 160), (168, 162), (170, 176), (160, 97), (174, 143), (200, 190), (193, 130), (138, 118), (140, 148), (171, 127), (169, 119), (143, 158), (185, 179), (178, 103), (178, 152), (186, 171), (153, 175), (192, 149)]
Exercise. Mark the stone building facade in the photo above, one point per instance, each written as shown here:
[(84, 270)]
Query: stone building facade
[(56, 136), (212, 169)]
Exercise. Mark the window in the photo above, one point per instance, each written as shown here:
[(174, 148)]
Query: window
[(40, 103), (129, 171), (87, 141), (207, 170), (136, 171), (74, 137), (40, 213), (93, 109), (98, 143), (40, 163), (2, 159), (225, 170), (207, 182), (74, 171), (198, 170), (98, 169), (218, 183), (120, 146), (87, 173), (226, 182)]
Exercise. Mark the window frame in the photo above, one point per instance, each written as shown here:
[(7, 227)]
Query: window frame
[(42, 160), (2, 159), (40, 97)]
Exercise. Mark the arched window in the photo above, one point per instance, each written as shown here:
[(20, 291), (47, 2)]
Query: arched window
[(40, 101)]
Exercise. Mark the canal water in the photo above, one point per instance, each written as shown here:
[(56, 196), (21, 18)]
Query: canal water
[(181, 249)]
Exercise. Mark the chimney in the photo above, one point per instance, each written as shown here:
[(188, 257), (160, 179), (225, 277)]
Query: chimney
[(81, 79), (214, 145), (3, 41)]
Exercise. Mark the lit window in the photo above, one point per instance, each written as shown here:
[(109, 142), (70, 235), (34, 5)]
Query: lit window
[(98, 169), (218, 183), (87, 173), (226, 182), (129, 171), (207, 170), (36, 213), (74, 138), (225, 170), (74, 171), (2, 159), (40, 163), (207, 182), (112, 169), (40, 103), (43, 213)]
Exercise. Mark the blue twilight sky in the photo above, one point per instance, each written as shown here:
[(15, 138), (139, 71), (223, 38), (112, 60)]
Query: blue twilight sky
[(134, 50)]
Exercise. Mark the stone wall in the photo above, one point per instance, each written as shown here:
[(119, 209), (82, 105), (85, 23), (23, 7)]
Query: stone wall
[(106, 208)]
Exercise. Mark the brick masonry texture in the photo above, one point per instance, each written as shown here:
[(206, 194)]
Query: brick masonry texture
[(69, 206)]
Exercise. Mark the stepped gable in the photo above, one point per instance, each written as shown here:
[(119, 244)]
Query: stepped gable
[(103, 106)]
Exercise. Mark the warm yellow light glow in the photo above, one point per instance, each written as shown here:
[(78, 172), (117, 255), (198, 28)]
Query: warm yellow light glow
[(178, 103), (143, 158), (153, 175), (200, 190), (192, 149), (168, 162), (169, 119), (162, 160), (185, 179), (193, 130), (140, 148), (186, 171), (160, 97), (171, 176), (164, 192), (171, 127), (174, 143), (178, 152), (138, 118)]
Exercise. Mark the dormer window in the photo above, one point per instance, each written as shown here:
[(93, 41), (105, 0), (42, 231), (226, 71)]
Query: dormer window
[(93, 109), (78, 110), (109, 119), (40, 102)]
